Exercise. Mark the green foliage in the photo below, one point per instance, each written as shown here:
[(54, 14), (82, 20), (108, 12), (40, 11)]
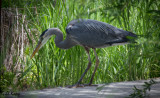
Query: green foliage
[(142, 93), (7, 80), (53, 67)]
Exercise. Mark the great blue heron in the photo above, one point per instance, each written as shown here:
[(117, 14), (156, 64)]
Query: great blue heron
[(88, 34)]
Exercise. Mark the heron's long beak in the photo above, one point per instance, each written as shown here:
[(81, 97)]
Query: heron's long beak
[(36, 49)]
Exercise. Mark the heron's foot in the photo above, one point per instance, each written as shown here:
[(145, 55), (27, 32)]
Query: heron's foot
[(76, 85), (81, 85), (90, 84)]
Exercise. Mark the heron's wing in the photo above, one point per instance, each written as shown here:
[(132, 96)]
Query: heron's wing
[(94, 33)]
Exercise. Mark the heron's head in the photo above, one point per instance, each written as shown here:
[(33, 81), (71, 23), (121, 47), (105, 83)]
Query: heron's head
[(43, 39)]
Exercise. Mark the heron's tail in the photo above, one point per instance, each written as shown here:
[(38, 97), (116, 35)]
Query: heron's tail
[(131, 37), (131, 34)]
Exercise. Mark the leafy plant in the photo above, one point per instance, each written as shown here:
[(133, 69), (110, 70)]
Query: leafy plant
[(142, 93)]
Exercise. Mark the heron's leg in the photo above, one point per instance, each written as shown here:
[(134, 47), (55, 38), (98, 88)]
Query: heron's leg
[(97, 63), (88, 67)]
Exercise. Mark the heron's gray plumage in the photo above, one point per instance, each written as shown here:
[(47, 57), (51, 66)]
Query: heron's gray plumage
[(89, 34), (96, 34)]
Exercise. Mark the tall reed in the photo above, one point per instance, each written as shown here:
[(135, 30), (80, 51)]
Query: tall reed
[(53, 67)]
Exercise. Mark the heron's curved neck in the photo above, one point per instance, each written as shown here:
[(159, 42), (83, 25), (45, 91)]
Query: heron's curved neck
[(63, 44)]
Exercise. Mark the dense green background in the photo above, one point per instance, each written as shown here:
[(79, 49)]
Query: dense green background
[(53, 67)]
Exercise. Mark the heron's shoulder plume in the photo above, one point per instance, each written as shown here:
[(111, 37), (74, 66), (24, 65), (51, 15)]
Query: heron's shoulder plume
[(43, 33), (75, 22)]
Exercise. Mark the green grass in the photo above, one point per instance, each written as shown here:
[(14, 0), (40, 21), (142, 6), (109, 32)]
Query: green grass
[(53, 67)]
